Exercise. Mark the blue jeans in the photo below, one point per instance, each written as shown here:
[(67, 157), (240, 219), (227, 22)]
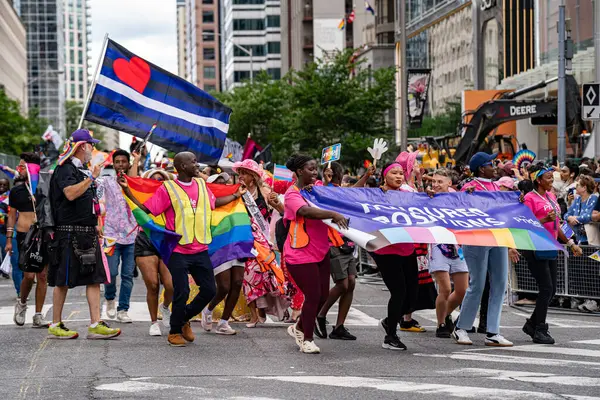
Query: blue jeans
[(483, 260), (123, 255), (17, 274)]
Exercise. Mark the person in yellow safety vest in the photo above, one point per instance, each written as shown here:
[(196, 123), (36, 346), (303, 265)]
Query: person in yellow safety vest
[(187, 205)]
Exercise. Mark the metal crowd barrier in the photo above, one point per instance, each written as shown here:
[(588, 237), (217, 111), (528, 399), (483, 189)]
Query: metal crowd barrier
[(576, 276)]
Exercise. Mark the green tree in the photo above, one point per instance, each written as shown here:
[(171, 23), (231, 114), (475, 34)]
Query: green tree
[(73, 111), (18, 133), (305, 111), (442, 124)]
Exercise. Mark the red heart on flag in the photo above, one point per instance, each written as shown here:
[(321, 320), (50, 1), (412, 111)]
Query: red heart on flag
[(135, 72)]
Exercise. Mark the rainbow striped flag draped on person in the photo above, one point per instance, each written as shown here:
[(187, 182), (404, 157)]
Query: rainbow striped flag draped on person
[(131, 95), (230, 224)]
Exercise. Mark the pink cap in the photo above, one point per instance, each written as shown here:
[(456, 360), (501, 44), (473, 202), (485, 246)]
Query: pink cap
[(507, 182)]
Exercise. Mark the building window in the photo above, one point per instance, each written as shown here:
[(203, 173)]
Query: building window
[(209, 72), (208, 16), (248, 24), (81, 94), (239, 76), (273, 21), (258, 50), (71, 39), (208, 35), (80, 58), (72, 56), (210, 88), (208, 54), (274, 47), (72, 90), (207, 1), (275, 73), (81, 74)]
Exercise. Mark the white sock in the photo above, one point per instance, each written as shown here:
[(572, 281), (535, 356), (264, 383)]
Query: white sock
[(54, 325), (207, 311), (38, 313), (95, 324), (223, 321)]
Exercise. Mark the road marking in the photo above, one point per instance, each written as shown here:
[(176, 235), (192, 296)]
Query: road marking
[(526, 376), (537, 348), (30, 375), (7, 312), (497, 358), (422, 388), (563, 322), (594, 341), (132, 386)]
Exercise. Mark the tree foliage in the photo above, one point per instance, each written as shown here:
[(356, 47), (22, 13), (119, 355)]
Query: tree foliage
[(18, 133), (442, 124), (337, 101)]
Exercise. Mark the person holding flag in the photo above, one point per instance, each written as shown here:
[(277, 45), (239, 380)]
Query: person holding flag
[(21, 200), (187, 204)]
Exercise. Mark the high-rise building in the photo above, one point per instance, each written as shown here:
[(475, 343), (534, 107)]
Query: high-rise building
[(181, 38), (44, 22), (201, 43), (310, 30), (255, 26), (13, 62), (77, 17)]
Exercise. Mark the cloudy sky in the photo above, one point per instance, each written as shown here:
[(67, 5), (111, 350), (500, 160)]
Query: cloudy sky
[(148, 28)]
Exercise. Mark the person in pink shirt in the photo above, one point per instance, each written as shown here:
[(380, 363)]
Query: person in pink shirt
[(191, 254), (543, 264), (306, 249), (398, 266)]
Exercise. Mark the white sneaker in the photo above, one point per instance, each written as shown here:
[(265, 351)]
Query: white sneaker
[(19, 316), (296, 334), (111, 309), (309, 347), (461, 337), (588, 306), (155, 329), (206, 320), (497, 341), (39, 322), (166, 316), (225, 329), (123, 318)]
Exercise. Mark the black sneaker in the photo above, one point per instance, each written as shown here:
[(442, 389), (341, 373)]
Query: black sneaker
[(541, 335), (321, 327), (341, 333), (443, 331), (393, 343), (529, 328), (448, 322)]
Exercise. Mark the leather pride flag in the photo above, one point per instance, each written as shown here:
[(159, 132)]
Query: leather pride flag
[(132, 94)]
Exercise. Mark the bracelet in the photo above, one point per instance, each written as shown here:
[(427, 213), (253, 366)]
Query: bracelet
[(570, 243), (10, 229), (92, 178)]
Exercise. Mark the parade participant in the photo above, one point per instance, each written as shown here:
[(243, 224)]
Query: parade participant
[(153, 269), (229, 277), (413, 184), (260, 286), (187, 204), (20, 200), (579, 215), (76, 259), (447, 262), (543, 264), (17, 274), (344, 268), (483, 261), (398, 267), (506, 184), (120, 225), (306, 249)]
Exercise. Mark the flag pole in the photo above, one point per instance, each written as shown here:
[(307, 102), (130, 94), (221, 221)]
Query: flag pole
[(94, 80)]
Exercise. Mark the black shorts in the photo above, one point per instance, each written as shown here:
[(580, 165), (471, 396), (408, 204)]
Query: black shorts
[(64, 266), (144, 247)]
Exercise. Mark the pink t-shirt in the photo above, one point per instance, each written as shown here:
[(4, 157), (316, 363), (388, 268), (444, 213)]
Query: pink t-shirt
[(317, 231), (481, 185), (161, 203), (541, 206), (401, 249)]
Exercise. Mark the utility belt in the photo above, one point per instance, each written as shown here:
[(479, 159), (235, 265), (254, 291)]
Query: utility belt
[(75, 228)]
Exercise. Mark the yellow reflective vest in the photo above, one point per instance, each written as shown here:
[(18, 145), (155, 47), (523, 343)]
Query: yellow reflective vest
[(191, 223)]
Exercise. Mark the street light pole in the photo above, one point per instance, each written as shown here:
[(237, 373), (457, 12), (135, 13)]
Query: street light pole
[(562, 116), (245, 50)]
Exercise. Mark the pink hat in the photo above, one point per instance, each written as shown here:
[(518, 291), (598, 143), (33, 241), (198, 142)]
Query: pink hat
[(249, 165), (507, 182), (407, 160)]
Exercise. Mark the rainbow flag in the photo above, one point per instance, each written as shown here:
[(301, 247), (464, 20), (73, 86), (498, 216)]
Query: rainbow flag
[(230, 227), (163, 239), (342, 24)]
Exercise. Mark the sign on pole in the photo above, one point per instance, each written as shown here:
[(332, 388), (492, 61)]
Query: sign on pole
[(331, 153), (590, 109)]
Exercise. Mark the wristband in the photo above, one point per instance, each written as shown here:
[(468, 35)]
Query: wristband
[(92, 178), (570, 243)]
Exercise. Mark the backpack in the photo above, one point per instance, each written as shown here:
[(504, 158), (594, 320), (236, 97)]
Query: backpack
[(281, 233)]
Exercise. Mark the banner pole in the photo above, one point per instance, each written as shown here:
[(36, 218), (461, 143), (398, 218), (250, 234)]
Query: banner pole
[(94, 81)]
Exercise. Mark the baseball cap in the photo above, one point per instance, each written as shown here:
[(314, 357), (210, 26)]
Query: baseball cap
[(507, 182), (83, 135), (213, 178), (480, 159)]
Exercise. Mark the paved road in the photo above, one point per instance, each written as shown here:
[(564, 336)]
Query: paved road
[(264, 363)]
